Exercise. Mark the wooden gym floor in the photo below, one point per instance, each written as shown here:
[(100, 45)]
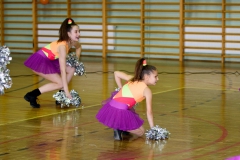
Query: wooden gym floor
[(200, 108)]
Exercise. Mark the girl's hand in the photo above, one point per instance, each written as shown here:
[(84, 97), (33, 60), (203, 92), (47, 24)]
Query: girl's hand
[(68, 95)]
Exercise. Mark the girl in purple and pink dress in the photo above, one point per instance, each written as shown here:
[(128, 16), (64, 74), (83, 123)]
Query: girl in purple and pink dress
[(118, 113), (50, 62)]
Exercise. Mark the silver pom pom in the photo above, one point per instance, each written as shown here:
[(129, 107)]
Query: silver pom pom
[(4, 56), (117, 89), (65, 101), (76, 100), (73, 61), (157, 133), (5, 79)]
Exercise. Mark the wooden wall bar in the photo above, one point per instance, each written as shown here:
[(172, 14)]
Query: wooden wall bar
[(126, 17), (223, 31), (104, 29), (91, 13), (16, 25), (232, 22), (2, 22), (181, 30), (142, 35), (34, 23), (162, 29)]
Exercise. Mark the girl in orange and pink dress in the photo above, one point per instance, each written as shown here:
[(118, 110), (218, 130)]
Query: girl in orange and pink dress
[(50, 62), (118, 113)]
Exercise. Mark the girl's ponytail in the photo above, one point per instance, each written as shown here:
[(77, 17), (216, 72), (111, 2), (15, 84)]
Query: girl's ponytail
[(138, 70)]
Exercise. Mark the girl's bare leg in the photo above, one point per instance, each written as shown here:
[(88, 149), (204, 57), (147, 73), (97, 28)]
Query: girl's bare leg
[(139, 132), (55, 79), (70, 72)]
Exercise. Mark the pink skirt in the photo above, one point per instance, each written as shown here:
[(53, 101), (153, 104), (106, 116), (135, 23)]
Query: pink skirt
[(117, 115), (39, 62)]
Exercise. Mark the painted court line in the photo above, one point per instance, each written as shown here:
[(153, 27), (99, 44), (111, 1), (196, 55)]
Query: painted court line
[(100, 104)]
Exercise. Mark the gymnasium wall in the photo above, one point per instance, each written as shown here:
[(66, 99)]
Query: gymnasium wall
[(170, 29)]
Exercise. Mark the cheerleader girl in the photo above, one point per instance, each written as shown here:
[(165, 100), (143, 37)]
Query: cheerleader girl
[(50, 62), (118, 113)]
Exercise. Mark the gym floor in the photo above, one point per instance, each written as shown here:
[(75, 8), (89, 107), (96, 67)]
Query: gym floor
[(197, 102)]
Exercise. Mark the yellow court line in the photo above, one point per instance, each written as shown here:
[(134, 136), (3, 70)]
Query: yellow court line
[(50, 114), (100, 104), (168, 90), (71, 110), (211, 89)]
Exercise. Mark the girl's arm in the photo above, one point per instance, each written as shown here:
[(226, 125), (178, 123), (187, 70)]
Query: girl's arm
[(62, 63), (148, 95), (78, 48), (121, 75)]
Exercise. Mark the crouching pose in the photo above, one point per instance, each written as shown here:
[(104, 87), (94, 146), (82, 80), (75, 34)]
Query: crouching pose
[(118, 113), (50, 62)]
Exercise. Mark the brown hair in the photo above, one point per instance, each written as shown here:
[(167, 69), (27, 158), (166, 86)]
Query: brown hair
[(141, 70), (65, 28)]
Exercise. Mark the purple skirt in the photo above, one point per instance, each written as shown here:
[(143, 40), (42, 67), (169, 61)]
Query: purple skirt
[(39, 62), (117, 115)]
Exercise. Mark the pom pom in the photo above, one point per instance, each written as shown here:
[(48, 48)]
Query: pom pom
[(117, 89), (73, 61), (4, 56), (65, 101), (157, 133), (5, 79)]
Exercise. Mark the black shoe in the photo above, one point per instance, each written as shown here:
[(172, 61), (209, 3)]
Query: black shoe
[(117, 134), (125, 133), (33, 100)]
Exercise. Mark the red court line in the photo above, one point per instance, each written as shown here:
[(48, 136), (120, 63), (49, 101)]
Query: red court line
[(221, 138), (209, 153), (224, 134)]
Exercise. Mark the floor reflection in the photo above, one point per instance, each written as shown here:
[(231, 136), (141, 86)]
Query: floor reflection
[(156, 145), (133, 148), (72, 118)]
